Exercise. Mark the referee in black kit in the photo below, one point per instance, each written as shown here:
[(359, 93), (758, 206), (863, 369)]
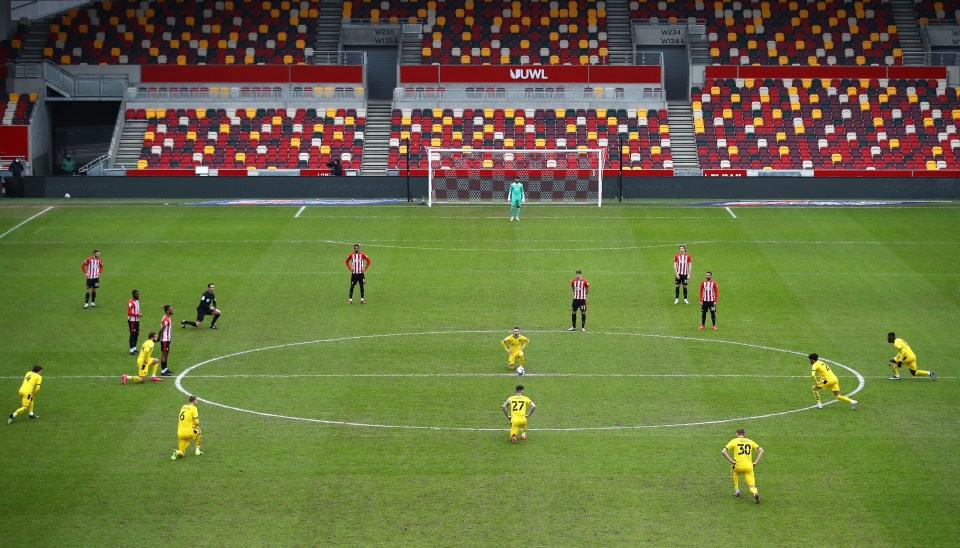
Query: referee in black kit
[(207, 307)]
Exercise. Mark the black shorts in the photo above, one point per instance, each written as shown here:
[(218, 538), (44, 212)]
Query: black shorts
[(134, 326), (579, 304), (93, 283), (356, 278), (201, 313), (708, 305), (165, 346), (681, 279)]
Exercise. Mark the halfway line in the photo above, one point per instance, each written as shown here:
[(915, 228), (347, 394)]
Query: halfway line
[(25, 222)]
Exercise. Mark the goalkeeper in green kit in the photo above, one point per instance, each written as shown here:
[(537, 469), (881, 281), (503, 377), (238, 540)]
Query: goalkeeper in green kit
[(517, 197)]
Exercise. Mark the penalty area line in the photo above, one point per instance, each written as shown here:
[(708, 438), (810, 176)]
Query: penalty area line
[(299, 211), (26, 221), (730, 211)]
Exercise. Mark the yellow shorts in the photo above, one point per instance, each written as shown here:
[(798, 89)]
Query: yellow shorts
[(514, 356), (188, 434), (143, 368), (519, 422), (830, 385), (26, 398), (910, 364), (747, 472)]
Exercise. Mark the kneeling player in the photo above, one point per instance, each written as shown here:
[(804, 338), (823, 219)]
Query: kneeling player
[(823, 377), (515, 408), (145, 361), (188, 428), (514, 345), (905, 356)]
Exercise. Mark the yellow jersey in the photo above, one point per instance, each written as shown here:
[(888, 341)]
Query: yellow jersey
[(189, 419), (146, 352), (904, 352), (822, 371), (518, 405), (742, 449), (514, 344), (31, 383)]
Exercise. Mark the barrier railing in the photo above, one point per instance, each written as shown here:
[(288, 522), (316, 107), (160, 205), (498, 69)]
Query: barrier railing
[(519, 95)]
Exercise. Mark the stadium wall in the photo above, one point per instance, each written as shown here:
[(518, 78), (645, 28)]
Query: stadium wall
[(749, 188)]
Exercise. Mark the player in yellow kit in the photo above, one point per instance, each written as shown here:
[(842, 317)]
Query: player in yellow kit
[(514, 345), (823, 377), (28, 392), (188, 428), (905, 356), (743, 449), (145, 360), (518, 409)]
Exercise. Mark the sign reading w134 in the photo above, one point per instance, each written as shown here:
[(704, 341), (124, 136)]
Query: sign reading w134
[(673, 35)]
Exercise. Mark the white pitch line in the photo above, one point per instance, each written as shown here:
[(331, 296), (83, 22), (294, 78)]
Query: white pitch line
[(475, 375), (299, 211), (178, 382), (730, 211), (25, 222)]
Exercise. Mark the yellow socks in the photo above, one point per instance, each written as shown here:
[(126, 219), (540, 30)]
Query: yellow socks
[(135, 379), (844, 398)]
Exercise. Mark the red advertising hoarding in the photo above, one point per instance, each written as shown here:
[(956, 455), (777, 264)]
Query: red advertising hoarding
[(529, 74)]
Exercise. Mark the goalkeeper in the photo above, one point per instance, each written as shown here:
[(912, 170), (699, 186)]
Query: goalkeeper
[(517, 197)]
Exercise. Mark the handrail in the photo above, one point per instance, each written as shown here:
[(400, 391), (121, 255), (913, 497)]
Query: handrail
[(96, 162), (219, 94), (331, 57)]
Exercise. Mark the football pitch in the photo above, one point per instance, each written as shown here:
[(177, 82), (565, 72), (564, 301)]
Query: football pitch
[(326, 423)]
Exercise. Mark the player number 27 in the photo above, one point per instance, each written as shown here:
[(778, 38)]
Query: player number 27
[(518, 406), (744, 449)]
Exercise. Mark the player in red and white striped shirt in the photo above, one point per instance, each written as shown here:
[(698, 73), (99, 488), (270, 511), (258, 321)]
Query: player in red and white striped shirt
[(708, 300), (682, 263), (357, 262), (580, 287), (92, 267), (133, 320), (166, 331)]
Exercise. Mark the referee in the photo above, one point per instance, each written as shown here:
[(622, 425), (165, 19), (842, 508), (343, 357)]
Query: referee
[(207, 307)]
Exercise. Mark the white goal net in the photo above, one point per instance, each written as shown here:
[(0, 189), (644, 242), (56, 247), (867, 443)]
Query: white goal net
[(484, 175)]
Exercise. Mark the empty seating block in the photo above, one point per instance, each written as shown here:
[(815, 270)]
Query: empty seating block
[(937, 11), (222, 32), (251, 138), (788, 32), (16, 108), (547, 32), (830, 124), (642, 134)]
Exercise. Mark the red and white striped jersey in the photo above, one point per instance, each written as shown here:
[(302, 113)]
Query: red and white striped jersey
[(708, 291), (358, 262), (580, 288), (92, 267), (166, 328), (133, 310), (682, 263)]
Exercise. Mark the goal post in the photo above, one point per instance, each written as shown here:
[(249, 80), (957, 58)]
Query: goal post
[(483, 176)]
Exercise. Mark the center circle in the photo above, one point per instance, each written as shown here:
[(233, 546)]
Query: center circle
[(183, 375)]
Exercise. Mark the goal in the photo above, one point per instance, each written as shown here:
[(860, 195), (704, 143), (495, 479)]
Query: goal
[(558, 176)]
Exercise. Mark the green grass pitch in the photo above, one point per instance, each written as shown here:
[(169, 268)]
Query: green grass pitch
[(383, 425)]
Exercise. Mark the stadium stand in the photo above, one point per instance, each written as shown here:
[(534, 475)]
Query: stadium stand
[(645, 135), (248, 138), (831, 124), (17, 109), (788, 32), (930, 11), (499, 32), (222, 32)]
